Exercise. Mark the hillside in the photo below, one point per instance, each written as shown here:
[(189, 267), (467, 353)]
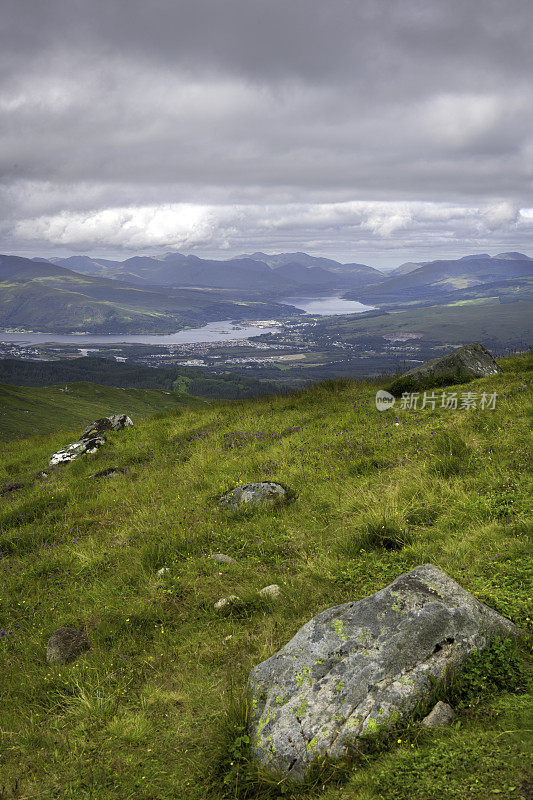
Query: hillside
[(26, 411), (435, 280), (497, 325), (155, 707), (46, 297)]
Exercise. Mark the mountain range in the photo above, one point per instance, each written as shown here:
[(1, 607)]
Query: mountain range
[(444, 281), (42, 296), (293, 272), (148, 294)]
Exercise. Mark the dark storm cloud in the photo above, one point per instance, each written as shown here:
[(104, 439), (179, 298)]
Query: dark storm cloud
[(352, 125)]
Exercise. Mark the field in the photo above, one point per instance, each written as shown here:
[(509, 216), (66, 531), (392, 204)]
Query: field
[(155, 708)]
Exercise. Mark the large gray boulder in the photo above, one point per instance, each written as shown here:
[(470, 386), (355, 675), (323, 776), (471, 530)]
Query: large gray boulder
[(253, 494), (360, 665), (470, 361)]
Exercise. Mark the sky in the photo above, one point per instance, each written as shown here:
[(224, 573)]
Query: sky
[(374, 131)]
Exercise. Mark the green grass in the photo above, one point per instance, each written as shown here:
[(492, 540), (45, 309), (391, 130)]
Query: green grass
[(492, 321), (26, 411), (155, 709)]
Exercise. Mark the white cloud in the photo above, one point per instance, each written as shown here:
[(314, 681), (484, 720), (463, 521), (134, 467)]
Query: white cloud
[(346, 230), (357, 127)]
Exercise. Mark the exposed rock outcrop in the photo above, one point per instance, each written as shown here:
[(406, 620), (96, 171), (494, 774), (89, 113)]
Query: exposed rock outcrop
[(72, 451), (468, 362), (113, 423), (359, 665), (253, 494), (91, 439)]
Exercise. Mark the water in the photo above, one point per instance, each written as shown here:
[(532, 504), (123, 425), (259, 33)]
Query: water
[(223, 331), (327, 306)]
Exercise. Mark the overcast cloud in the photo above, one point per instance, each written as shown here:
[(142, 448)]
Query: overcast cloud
[(368, 130)]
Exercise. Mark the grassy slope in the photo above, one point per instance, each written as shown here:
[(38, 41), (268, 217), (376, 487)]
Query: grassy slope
[(150, 710), (451, 324), (26, 411)]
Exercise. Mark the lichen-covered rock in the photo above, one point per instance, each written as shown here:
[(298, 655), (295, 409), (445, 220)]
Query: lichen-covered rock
[(470, 361), (360, 665), (65, 644), (441, 714), (112, 423), (72, 451), (252, 494)]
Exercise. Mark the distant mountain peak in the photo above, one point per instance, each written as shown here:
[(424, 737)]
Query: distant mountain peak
[(513, 256), (473, 256)]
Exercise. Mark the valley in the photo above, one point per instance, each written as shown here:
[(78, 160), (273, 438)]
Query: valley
[(386, 326)]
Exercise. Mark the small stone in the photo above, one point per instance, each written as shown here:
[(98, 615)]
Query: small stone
[(225, 601), (222, 559), (253, 494), (442, 714), (65, 644), (163, 571), (110, 472), (270, 591)]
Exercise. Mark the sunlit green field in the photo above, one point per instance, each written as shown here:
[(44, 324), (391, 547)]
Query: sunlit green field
[(155, 709)]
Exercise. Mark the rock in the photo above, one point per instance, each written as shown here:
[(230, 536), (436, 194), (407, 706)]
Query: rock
[(362, 664), (222, 559), (110, 472), (226, 601), (119, 421), (113, 423), (252, 494), (72, 451), (65, 644), (270, 591), (442, 714), (91, 439), (97, 427), (470, 361)]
